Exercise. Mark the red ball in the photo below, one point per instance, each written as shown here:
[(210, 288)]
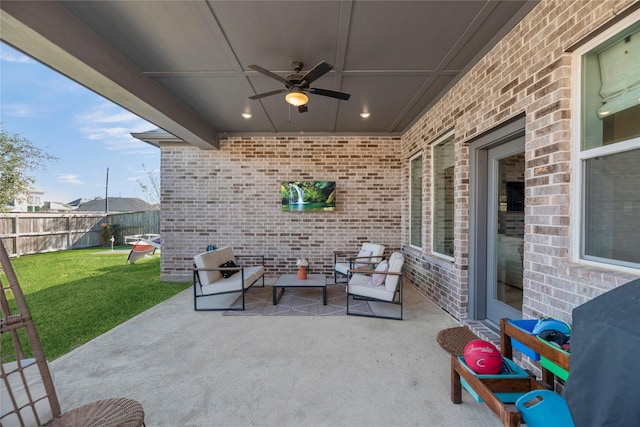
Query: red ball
[(483, 357)]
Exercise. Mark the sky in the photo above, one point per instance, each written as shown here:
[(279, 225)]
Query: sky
[(86, 132)]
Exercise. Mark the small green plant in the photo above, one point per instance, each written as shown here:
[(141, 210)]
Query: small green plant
[(108, 231)]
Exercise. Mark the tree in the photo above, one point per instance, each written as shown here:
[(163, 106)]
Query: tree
[(152, 189), (18, 157)]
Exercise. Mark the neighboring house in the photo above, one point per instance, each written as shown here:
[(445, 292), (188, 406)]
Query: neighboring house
[(77, 202), (56, 207), (31, 203), (115, 205)]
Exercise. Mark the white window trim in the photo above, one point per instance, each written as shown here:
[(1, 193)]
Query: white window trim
[(580, 155), (438, 141), (422, 237)]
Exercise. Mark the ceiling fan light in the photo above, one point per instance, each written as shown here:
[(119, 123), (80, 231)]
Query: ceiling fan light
[(296, 98)]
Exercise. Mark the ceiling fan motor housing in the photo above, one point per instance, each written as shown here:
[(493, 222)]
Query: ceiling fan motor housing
[(296, 80)]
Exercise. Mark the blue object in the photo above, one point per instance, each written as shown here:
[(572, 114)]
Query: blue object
[(526, 326), (211, 248), (544, 408), (548, 323)]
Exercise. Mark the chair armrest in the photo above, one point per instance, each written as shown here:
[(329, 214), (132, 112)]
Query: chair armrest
[(370, 272), (196, 276), (237, 267), (370, 258), (342, 252)]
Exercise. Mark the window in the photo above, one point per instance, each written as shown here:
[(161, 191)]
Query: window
[(415, 190), (443, 196), (610, 149)]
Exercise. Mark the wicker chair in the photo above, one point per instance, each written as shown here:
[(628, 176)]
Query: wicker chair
[(27, 391)]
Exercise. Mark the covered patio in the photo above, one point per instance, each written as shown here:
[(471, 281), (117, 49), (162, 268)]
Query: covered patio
[(201, 369), (474, 148)]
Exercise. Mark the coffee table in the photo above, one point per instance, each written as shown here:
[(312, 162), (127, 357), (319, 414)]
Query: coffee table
[(291, 281)]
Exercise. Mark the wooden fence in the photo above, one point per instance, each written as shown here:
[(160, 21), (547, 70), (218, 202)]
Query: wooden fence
[(30, 233)]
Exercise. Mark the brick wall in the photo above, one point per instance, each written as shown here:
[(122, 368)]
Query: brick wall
[(231, 197), (529, 72)]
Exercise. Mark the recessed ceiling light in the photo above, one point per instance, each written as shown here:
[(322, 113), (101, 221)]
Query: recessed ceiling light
[(365, 115), (247, 115)]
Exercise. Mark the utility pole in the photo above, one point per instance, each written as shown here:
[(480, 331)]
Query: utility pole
[(106, 195)]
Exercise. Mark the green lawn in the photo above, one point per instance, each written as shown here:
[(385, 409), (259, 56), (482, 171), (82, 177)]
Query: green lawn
[(76, 295)]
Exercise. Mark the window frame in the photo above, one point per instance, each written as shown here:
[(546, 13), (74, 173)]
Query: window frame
[(443, 139), (415, 156), (578, 232)]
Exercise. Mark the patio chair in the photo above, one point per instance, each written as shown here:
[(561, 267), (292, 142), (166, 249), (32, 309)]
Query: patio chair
[(27, 392), (369, 255), (381, 288), (218, 281)]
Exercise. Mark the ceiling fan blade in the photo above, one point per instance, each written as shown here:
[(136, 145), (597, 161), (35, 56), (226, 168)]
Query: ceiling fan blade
[(330, 93), (316, 72), (273, 92), (270, 74)]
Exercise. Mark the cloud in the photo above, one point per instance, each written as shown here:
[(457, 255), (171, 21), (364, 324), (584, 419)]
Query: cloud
[(105, 133), (105, 114), (18, 110), (11, 55), (111, 125), (69, 178)]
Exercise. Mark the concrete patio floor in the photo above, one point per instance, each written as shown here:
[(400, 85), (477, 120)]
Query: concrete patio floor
[(191, 368)]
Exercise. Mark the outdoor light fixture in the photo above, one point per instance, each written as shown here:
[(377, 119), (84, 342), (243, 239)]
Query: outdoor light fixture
[(296, 98)]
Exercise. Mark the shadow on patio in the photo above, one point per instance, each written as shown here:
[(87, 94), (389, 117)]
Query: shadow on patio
[(192, 368)]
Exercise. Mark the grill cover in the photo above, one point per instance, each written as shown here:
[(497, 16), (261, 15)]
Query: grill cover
[(603, 384)]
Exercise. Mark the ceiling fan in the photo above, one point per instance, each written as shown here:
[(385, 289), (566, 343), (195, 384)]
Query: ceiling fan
[(297, 84)]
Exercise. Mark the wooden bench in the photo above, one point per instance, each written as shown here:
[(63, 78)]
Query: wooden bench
[(486, 388), (509, 332)]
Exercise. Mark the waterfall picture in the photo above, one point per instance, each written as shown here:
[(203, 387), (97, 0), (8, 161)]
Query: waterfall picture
[(308, 195)]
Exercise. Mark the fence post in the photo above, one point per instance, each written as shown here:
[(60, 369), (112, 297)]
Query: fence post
[(68, 225), (16, 229)]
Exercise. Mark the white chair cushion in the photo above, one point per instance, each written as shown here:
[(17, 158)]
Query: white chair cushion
[(362, 285), (362, 262), (376, 251), (234, 282), (212, 259), (212, 281), (396, 261), (35, 387), (342, 267)]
